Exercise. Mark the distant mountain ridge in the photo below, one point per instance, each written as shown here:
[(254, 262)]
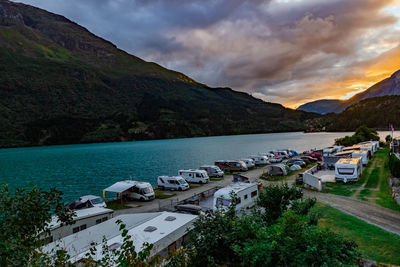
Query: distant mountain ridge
[(60, 84), (387, 87)]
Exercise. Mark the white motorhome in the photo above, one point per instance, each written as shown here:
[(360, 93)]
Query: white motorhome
[(259, 160), (212, 170), (348, 169), (134, 190), (194, 176), (172, 183), (82, 219), (247, 193), (272, 158), (249, 163), (363, 154), (281, 154), (96, 201)]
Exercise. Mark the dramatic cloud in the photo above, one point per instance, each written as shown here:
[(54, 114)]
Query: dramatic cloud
[(287, 51)]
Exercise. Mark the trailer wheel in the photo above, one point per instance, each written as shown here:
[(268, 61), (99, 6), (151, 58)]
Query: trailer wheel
[(180, 189)]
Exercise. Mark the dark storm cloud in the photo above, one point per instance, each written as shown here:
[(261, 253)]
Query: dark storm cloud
[(280, 50)]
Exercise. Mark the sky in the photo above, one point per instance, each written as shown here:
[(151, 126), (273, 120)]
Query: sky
[(285, 51)]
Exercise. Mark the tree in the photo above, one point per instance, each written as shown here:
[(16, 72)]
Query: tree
[(362, 134), (388, 138), (281, 231), (24, 218)]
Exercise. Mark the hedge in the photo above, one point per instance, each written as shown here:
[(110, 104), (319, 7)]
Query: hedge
[(394, 164)]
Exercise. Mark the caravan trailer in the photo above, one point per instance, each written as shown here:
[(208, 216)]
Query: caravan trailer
[(348, 169), (194, 176), (250, 163), (329, 151), (363, 154), (231, 165), (260, 160), (247, 194)]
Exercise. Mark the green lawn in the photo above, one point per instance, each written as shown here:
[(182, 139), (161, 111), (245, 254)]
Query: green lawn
[(373, 242), (162, 195), (374, 179), (116, 205)]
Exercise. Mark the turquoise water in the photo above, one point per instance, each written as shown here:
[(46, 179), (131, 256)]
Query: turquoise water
[(88, 169)]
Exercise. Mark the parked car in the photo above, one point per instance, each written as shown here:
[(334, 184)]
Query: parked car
[(194, 176), (315, 155), (260, 160), (272, 158), (96, 201), (212, 170), (296, 161), (172, 183), (311, 159)]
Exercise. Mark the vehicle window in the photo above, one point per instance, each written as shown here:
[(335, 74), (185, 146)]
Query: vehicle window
[(98, 221), (104, 219), (238, 200), (145, 190), (245, 196), (345, 170), (75, 229), (223, 202), (97, 201), (82, 227), (190, 175), (162, 181), (171, 181), (254, 193), (198, 175), (181, 181)]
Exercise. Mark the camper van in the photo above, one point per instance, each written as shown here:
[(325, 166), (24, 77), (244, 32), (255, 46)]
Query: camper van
[(231, 165), (172, 183), (212, 170), (363, 154), (249, 163), (194, 176), (281, 154), (348, 169), (96, 201), (259, 160), (271, 157), (247, 193), (134, 190)]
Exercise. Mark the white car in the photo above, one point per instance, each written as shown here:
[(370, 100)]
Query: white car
[(172, 183), (96, 201)]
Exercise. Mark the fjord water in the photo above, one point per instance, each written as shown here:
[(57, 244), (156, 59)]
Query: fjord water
[(89, 168)]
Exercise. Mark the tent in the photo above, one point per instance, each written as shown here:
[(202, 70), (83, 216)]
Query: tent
[(295, 167), (277, 169)]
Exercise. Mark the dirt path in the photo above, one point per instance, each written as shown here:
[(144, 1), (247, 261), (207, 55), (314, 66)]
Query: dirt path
[(386, 219)]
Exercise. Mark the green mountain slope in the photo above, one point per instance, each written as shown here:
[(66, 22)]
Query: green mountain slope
[(60, 84), (377, 112)]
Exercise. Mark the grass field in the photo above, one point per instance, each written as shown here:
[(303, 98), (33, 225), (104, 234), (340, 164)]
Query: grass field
[(373, 242), (372, 186), (162, 195), (116, 205)]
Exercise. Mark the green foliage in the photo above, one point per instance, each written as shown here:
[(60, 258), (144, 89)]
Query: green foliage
[(394, 164), (286, 237), (362, 134), (24, 218)]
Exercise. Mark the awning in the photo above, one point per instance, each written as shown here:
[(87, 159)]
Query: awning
[(119, 187)]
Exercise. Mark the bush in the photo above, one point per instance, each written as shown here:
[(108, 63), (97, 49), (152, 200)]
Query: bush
[(362, 134), (394, 164)]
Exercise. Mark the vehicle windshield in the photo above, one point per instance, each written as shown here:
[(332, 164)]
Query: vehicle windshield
[(146, 190), (96, 201), (345, 170), (217, 169), (181, 181), (223, 202)]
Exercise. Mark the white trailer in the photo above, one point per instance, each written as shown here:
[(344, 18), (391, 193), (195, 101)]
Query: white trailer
[(259, 160), (363, 154), (82, 219), (348, 169), (194, 176), (172, 183), (329, 151), (250, 163), (247, 193)]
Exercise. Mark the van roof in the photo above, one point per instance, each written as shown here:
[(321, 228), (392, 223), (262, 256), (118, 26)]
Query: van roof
[(192, 170), (348, 161), (80, 214), (208, 166), (170, 177), (235, 187)]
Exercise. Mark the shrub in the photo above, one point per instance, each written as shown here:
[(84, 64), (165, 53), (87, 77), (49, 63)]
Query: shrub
[(394, 164)]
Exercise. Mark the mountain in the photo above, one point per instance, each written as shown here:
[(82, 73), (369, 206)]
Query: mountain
[(60, 84), (386, 87), (376, 112)]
